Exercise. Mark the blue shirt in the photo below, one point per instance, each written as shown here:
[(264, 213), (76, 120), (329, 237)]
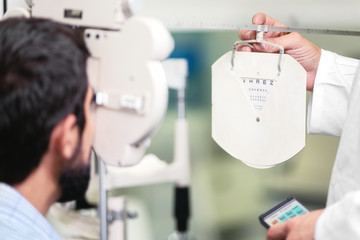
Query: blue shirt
[(20, 220)]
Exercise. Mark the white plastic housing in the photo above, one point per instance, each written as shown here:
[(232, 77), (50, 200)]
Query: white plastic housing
[(125, 67), (106, 14)]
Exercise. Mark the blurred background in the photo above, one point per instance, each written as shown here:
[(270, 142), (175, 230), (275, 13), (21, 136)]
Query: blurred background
[(226, 195)]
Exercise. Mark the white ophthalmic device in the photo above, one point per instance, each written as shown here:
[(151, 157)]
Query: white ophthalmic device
[(131, 86)]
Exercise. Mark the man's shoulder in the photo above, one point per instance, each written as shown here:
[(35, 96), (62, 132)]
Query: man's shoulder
[(20, 220), (15, 231), (12, 231)]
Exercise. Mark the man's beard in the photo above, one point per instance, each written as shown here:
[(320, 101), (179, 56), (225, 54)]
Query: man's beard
[(74, 181)]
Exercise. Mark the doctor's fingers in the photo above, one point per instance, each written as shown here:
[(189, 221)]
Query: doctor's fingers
[(243, 48), (278, 232), (262, 19), (290, 42)]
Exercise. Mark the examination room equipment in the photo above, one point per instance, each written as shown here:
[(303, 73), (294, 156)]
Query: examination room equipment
[(132, 102), (131, 95)]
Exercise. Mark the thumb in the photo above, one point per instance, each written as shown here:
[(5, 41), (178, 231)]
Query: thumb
[(277, 232), (260, 19), (263, 19)]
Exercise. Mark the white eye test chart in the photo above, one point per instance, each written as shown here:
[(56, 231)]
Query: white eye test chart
[(259, 99)]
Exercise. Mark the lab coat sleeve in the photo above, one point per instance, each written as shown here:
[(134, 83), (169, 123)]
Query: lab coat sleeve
[(329, 102), (340, 220)]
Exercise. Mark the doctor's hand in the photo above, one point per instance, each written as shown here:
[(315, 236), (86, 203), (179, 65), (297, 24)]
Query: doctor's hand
[(298, 228), (301, 49)]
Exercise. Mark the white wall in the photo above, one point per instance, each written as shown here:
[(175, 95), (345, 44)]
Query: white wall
[(1, 8), (16, 3), (304, 13)]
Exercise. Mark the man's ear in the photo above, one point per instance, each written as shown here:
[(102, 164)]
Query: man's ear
[(64, 137)]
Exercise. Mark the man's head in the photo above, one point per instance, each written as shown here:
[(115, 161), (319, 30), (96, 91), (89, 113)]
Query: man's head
[(42, 82)]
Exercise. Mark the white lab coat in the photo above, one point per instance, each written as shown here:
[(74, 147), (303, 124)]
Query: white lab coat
[(334, 109)]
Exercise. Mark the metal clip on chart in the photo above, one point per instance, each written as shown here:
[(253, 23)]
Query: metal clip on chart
[(259, 39)]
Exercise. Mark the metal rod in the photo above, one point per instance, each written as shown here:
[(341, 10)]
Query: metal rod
[(183, 236), (181, 103), (102, 199), (5, 6), (216, 26), (179, 236)]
